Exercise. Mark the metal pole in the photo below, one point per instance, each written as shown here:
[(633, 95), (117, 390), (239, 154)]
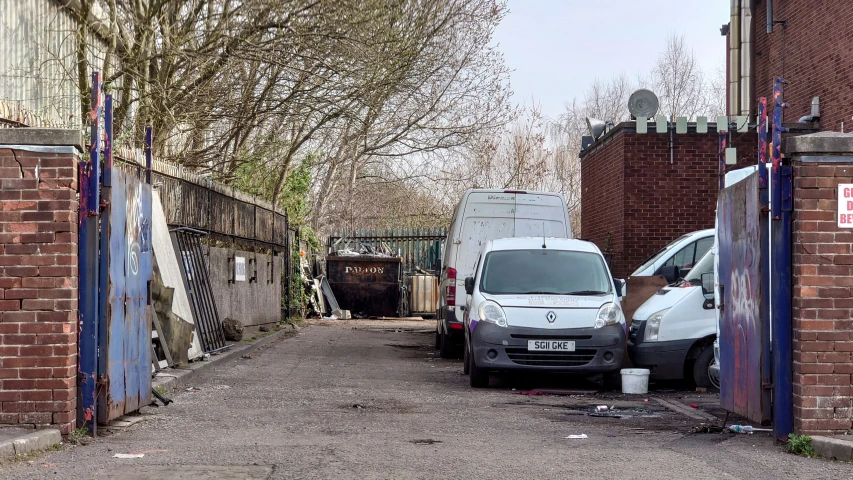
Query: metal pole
[(89, 268), (149, 140), (782, 206), (721, 160), (103, 259), (764, 266)]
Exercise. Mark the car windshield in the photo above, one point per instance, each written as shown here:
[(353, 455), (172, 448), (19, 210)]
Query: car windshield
[(654, 258), (544, 272), (705, 265)]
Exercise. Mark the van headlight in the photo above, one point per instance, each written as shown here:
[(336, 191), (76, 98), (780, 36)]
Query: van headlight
[(653, 326), (493, 313), (609, 314)]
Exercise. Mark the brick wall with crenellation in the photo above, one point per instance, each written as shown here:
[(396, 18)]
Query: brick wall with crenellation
[(38, 288), (643, 197)]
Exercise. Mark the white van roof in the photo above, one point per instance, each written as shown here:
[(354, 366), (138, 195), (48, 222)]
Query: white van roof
[(509, 190), (552, 243)]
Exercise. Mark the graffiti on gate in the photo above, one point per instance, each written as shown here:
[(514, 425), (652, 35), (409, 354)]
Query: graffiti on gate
[(741, 332)]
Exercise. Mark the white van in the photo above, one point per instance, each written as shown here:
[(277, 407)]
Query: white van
[(544, 304), (676, 259), (673, 332), (480, 216)]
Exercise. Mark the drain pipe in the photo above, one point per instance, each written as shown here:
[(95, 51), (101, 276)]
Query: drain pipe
[(734, 59), (746, 27)]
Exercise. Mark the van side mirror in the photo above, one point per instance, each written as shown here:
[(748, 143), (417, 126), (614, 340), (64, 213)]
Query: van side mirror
[(621, 287), (708, 283), (670, 273), (469, 285)]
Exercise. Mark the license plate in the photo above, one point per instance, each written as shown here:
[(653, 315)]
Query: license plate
[(551, 345)]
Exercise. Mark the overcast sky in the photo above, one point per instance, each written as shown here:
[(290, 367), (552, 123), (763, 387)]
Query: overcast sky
[(556, 48)]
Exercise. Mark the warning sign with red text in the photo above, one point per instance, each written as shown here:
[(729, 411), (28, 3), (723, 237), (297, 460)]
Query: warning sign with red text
[(845, 205)]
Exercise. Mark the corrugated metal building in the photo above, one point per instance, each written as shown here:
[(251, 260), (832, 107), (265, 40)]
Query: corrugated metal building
[(38, 70)]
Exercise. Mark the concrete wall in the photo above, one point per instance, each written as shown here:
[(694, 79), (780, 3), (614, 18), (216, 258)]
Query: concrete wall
[(253, 303), (822, 286), (38, 277), (634, 193)]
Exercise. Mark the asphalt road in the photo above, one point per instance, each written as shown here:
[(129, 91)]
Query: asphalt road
[(370, 400)]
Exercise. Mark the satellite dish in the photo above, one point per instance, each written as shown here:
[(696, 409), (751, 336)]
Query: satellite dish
[(643, 103), (596, 127)]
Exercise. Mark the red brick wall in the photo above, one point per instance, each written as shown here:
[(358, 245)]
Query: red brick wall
[(38, 288), (812, 53), (822, 304), (602, 200), (631, 189)]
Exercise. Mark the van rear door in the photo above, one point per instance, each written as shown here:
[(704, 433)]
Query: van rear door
[(486, 216), (540, 215)]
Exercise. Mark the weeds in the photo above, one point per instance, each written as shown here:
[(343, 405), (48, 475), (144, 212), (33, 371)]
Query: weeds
[(161, 390), (800, 445), (79, 436)]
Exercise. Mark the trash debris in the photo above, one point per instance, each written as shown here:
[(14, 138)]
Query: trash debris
[(533, 393), (245, 357), (747, 429), (128, 455), (645, 400), (577, 437), (205, 357), (693, 405), (602, 408), (701, 389), (193, 389), (426, 441), (708, 429), (610, 435), (358, 406)]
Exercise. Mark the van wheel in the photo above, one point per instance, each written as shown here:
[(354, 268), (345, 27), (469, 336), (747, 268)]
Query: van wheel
[(700, 369), (466, 356), (445, 349), (478, 377)]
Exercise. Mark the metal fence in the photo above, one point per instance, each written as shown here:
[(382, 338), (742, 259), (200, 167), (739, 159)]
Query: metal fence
[(420, 248)]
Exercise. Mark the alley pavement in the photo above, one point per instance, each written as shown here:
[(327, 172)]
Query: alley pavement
[(371, 400)]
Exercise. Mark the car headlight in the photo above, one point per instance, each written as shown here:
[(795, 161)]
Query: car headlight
[(653, 326), (493, 313), (609, 314)]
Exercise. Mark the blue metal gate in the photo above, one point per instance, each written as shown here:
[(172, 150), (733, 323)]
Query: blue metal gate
[(116, 263), (125, 355), (755, 276), (742, 333)]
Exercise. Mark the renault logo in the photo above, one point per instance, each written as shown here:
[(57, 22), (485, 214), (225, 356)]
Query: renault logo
[(551, 316)]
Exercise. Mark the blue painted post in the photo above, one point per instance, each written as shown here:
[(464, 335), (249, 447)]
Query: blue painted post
[(88, 269), (721, 159), (764, 266), (149, 138), (782, 206), (103, 259)]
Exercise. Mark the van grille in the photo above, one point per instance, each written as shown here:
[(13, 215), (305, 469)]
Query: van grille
[(551, 337), (577, 358)]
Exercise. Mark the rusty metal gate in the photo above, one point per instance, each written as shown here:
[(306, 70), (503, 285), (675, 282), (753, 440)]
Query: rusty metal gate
[(755, 277), (125, 356), (742, 333), (116, 263)]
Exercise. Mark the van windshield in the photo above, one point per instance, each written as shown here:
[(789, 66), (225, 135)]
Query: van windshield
[(654, 258), (705, 265), (544, 272)]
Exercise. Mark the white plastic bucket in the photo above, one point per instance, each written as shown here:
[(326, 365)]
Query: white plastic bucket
[(635, 380)]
